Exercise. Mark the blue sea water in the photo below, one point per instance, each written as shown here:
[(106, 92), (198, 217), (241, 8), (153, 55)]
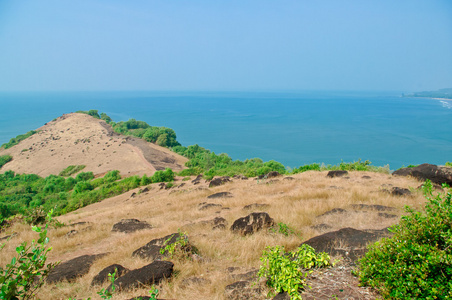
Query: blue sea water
[(294, 128)]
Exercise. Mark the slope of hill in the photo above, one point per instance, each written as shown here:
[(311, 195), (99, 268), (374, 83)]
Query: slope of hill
[(79, 139), (309, 203)]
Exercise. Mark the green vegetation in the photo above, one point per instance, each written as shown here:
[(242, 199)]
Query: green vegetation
[(448, 164), (92, 112), (18, 139), (416, 262), (27, 272), (287, 272), (282, 228), (179, 246), (442, 93), (4, 159), (70, 170), (21, 193)]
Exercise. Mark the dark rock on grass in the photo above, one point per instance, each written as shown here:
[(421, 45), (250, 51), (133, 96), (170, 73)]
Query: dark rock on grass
[(205, 205), (386, 215), (103, 275), (197, 180), (133, 195), (397, 191), (243, 290), (8, 236), (71, 233), (248, 276), (336, 173), (216, 223), (366, 177), (256, 206), (72, 269), (130, 225), (78, 223), (321, 227), (145, 276), (333, 211), (436, 174), (347, 242), (145, 190), (194, 281), (151, 250), (372, 207), (252, 223), (282, 296), (289, 178), (241, 177), (273, 174), (220, 195), (219, 181)]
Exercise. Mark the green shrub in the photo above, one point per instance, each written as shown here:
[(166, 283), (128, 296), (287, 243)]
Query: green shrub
[(448, 164), (416, 262), (287, 272), (27, 272), (84, 176), (163, 176), (72, 169), (14, 141), (311, 167), (4, 159), (92, 112), (282, 228)]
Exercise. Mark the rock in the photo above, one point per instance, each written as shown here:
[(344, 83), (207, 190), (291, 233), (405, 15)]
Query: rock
[(256, 206), (372, 207), (243, 290), (220, 195), (130, 225), (288, 178), (252, 223), (103, 275), (194, 281), (241, 177), (333, 211), (386, 215), (347, 242), (133, 195), (78, 223), (436, 174), (8, 236), (366, 177), (397, 191), (282, 296), (72, 269), (205, 205), (71, 233), (151, 251), (216, 223), (197, 179), (248, 276), (321, 227), (219, 181), (337, 173), (145, 276), (273, 174)]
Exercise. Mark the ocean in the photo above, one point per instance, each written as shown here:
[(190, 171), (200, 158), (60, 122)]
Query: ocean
[(294, 128)]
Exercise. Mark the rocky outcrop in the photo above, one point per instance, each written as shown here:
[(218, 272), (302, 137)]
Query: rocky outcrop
[(103, 275), (219, 181), (220, 195), (336, 173), (252, 223), (72, 269), (145, 276), (205, 205), (254, 206), (347, 242), (243, 290), (130, 225), (436, 174)]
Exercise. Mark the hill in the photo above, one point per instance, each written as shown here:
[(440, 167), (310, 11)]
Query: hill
[(80, 139)]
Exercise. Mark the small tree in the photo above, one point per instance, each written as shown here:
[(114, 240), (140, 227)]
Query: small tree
[(27, 272)]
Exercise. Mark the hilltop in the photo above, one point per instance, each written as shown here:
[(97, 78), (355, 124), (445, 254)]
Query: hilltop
[(80, 139)]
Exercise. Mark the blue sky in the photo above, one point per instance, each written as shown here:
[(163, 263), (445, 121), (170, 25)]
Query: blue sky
[(89, 45)]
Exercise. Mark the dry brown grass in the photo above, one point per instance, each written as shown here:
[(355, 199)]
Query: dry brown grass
[(297, 203)]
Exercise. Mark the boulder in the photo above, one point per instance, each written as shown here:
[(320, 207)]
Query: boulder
[(130, 225), (282, 296), (145, 276), (216, 223), (254, 206), (220, 195), (72, 269), (205, 205), (151, 250), (372, 207), (252, 223), (337, 173), (243, 290), (103, 275), (333, 211), (397, 191), (219, 181), (194, 281), (436, 174), (273, 174), (347, 242)]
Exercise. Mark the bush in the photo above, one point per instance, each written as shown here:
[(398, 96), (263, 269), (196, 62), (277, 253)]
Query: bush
[(14, 141), (287, 272), (27, 272), (415, 263), (4, 159), (163, 176), (72, 169)]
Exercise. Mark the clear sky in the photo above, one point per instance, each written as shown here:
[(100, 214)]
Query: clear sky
[(400, 45)]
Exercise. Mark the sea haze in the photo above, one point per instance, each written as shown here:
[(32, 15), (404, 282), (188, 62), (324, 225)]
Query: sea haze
[(294, 128)]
